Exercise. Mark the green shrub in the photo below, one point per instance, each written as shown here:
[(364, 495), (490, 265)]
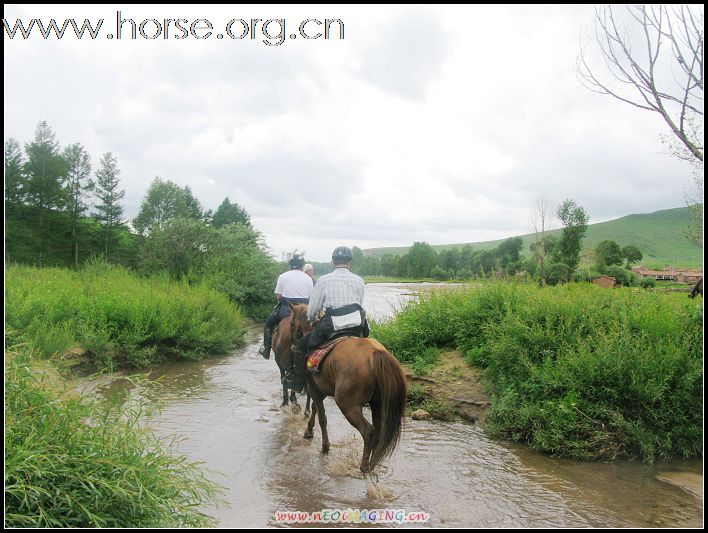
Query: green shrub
[(119, 318), (426, 361), (416, 395), (557, 273), (419, 398), (647, 283), (586, 275), (576, 370), (622, 275)]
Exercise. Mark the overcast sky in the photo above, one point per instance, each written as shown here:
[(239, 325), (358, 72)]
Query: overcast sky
[(436, 124)]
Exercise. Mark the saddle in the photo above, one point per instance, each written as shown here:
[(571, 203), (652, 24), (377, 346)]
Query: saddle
[(316, 357)]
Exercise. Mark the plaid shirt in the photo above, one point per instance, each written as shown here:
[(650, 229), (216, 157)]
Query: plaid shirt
[(337, 289)]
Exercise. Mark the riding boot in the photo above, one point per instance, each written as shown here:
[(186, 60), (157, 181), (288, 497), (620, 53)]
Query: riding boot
[(299, 384), (298, 374), (265, 349)]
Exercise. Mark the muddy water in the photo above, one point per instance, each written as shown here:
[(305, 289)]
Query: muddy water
[(226, 411)]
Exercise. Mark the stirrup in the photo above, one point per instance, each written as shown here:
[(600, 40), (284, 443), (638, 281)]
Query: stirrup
[(264, 351)]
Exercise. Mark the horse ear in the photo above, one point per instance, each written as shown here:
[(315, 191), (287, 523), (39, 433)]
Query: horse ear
[(290, 305)]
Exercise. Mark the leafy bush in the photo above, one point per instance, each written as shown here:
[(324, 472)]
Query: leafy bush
[(576, 370), (647, 283), (622, 275), (419, 398), (120, 318), (557, 273), (586, 275)]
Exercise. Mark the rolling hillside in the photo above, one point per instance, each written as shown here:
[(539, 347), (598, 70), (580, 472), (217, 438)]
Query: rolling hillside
[(658, 235)]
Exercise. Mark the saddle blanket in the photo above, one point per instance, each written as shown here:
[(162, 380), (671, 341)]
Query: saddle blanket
[(316, 357)]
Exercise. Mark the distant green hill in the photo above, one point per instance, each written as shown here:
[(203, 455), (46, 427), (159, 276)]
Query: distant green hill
[(658, 235)]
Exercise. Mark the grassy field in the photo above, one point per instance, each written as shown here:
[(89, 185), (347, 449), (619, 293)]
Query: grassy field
[(575, 370), (658, 235), (116, 318)]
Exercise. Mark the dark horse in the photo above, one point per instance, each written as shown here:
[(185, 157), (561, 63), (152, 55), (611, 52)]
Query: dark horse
[(281, 345), (698, 289), (358, 371)]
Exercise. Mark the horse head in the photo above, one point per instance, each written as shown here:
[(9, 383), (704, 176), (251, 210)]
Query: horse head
[(299, 325)]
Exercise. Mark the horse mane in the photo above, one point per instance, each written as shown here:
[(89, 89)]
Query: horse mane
[(299, 316)]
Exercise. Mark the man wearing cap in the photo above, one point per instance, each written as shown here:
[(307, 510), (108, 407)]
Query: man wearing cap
[(340, 294), (293, 286), (310, 271)]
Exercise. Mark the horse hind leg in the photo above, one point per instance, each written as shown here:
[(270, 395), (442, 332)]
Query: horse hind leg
[(307, 404), (318, 407), (356, 418), (285, 397), (295, 407), (311, 423), (376, 419)]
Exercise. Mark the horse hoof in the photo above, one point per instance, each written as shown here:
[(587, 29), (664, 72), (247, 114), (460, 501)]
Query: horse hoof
[(307, 414), (295, 408), (325, 449), (308, 435)]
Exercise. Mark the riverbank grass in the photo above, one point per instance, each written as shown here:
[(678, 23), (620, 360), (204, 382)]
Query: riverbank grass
[(73, 462), (115, 318), (575, 370)]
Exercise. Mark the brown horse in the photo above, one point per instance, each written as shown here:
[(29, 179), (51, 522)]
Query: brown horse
[(698, 289), (281, 344), (358, 371)]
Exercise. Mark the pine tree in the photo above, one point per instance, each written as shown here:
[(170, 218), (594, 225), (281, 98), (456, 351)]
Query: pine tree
[(109, 211), (230, 213), (77, 188), (15, 180), (46, 171)]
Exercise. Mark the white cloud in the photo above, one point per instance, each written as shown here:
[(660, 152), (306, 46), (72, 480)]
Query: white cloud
[(441, 124)]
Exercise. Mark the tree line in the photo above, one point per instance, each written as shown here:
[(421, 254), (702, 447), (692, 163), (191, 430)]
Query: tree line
[(60, 214), (552, 259)]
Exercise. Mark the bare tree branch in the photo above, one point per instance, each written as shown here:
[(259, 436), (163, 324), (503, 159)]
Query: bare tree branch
[(541, 220), (642, 74)]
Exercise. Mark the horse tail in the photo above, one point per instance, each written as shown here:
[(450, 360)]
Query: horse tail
[(390, 399)]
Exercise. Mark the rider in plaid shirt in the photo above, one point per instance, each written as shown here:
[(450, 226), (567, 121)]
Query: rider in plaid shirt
[(340, 295)]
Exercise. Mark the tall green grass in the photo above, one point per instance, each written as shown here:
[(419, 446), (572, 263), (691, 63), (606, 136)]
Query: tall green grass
[(577, 370), (70, 462), (119, 318)]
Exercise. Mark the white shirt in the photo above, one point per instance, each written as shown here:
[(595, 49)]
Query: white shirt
[(294, 284)]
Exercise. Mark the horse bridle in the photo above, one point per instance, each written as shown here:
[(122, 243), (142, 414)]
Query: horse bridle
[(295, 335)]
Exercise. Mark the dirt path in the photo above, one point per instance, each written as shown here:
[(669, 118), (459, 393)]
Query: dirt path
[(456, 385)]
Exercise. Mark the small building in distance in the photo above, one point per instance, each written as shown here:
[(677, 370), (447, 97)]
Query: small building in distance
[(605, 281), (690, 276)]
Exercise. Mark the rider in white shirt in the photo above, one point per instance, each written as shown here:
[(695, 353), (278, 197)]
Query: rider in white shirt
[(293, 286)]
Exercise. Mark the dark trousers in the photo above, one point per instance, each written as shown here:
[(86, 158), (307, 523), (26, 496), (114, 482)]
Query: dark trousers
[(280, 311), (323, 331)]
